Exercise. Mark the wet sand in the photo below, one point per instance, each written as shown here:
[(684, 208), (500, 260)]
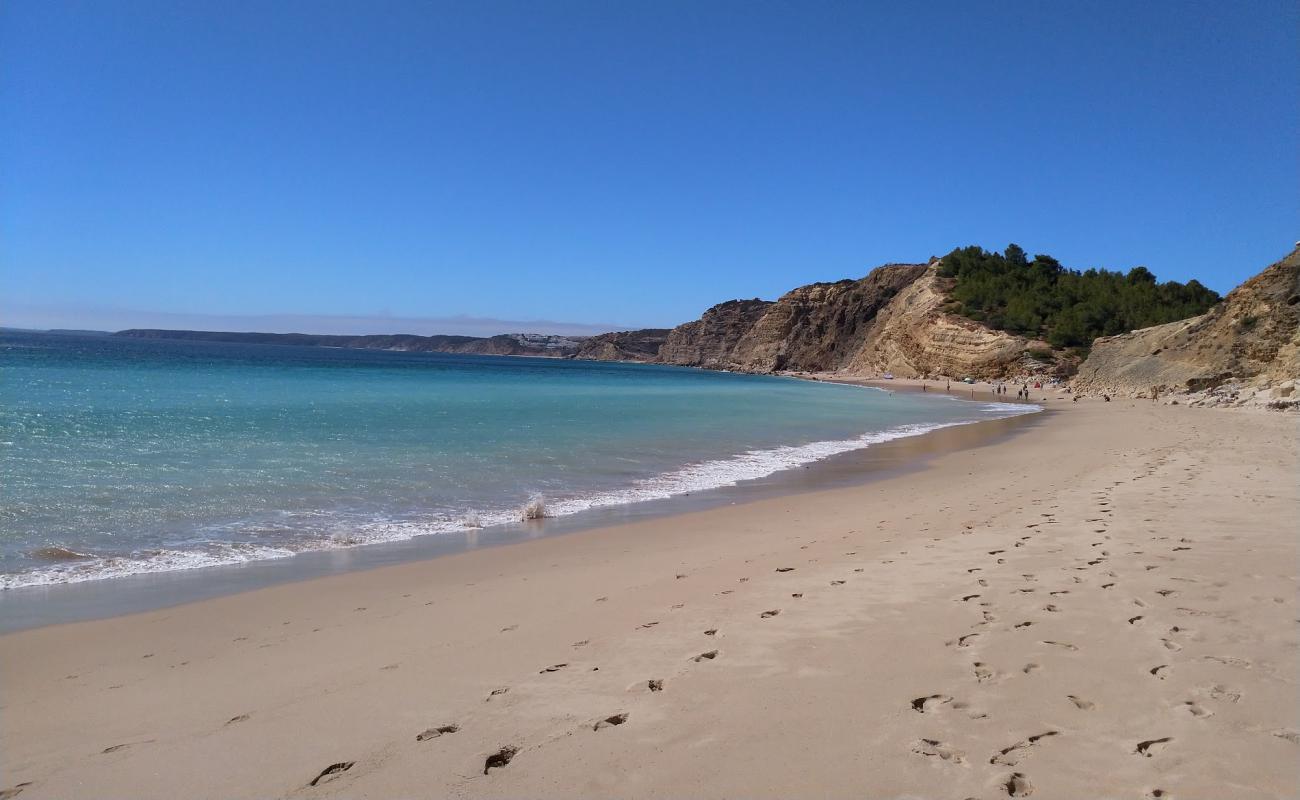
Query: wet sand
[(35, 606), (1103, 606)]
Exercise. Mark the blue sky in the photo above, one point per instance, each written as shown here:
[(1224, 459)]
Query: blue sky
[(388, 165)]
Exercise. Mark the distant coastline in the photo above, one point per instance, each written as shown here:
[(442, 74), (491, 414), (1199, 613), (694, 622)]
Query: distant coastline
[(506, 344)]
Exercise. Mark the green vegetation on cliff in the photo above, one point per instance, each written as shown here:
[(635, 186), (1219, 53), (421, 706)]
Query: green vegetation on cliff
[(1067, 308)]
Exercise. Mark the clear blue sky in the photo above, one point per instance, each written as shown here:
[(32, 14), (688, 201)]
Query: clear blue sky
[(625, 163)]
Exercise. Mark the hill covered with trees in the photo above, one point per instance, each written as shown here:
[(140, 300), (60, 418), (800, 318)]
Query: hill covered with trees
[(1067, 308)]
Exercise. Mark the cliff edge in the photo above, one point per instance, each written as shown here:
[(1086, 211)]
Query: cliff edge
[(1246, 349)]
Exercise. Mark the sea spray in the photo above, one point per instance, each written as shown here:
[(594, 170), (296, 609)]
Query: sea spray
[(534, 509)]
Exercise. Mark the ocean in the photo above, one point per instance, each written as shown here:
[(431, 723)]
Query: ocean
[(123, 456)]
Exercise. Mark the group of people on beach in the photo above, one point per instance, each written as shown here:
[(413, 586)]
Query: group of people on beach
[(998, 388)]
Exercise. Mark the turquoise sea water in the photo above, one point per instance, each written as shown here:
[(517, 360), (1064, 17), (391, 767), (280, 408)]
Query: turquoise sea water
[(125, 456)]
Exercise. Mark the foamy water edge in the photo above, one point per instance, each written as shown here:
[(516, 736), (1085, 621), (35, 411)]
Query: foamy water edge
[(706, 475)]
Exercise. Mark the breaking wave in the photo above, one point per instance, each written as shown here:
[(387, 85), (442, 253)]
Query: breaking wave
[(76, 567)]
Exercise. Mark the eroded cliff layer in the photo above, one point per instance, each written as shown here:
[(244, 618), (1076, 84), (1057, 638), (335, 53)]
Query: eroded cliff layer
[(1252, 337), (710, 340), (814, 328), (640, 345), (820, 327), (914, 337), (890, 321)]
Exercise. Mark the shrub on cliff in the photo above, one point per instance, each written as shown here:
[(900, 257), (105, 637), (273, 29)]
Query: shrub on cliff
[(1068, 308)]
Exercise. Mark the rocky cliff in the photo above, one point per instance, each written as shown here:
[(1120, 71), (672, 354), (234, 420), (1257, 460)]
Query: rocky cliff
[(641, 345), (820, 327), (710, 340), (913, 337), (890, 321), (814, 328), (1250, 341)]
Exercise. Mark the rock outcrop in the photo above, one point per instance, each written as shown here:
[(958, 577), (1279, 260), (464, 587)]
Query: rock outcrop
[(913, 337), (1248, 343), (890, 321), (710, 340), (820, 327), (641, 345), (814, 328)]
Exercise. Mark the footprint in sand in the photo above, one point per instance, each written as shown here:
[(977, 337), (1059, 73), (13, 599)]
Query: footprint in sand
[(1018, 785), (1152, 747), (934, 747), (982, 672), (240, 718), (930, 703), (499, 759), (552, 668), (1221, 692), (706, 656), (434, 733), (655, 684), (1010, 756), (1064, 645), (610, 722), (1159, 671), (769, 614), (1081, 704), (331, 772), (1197, 710)]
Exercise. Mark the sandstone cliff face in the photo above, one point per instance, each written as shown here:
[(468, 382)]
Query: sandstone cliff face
[(710, 340), (814, 328), (890, 321), (913, 337), (641, 345), (820, 327), (1252, 338)]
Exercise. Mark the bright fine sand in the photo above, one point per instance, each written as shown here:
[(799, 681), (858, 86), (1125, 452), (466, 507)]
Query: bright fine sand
[(1104, 606)]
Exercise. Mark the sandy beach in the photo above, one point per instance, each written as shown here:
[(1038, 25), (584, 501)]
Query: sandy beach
[(1103, 606)]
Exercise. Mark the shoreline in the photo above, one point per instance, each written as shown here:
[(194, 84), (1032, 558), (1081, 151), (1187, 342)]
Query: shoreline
[(1103, 606), (35, 606)]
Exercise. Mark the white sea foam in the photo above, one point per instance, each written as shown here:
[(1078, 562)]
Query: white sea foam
[(692, 478)]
